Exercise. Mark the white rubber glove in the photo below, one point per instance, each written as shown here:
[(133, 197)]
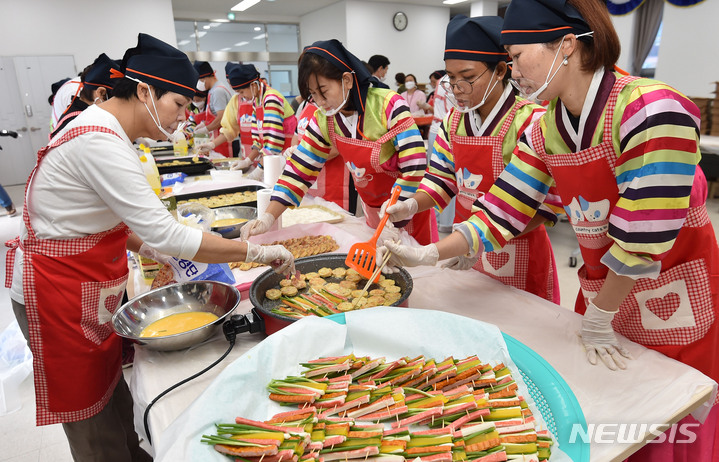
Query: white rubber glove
[(462, 262), (256, 174), (401, 211), (389, 233), (277, 256), (148, 252), (241, 164), (403, 255), (599, 338), (206, 147), (200, 129), (258, 226)]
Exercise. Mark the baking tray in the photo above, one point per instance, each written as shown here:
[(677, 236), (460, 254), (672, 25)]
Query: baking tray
[(217, 192), (202, 165), (270, 279)]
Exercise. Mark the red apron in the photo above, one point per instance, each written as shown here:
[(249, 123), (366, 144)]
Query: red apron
[(374, 181), (244, 121), (673, 314), (72, 287), (333, 181), (525, 262), (225, 148)]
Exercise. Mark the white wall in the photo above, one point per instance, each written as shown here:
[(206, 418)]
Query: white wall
[(418, 50), (81, 28), (325, 24), (625, 26), (688, 58)]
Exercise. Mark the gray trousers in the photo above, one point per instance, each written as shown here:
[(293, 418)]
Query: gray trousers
[(108, 436)]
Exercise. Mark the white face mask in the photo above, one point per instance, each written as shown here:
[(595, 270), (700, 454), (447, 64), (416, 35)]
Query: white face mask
[(523, 84), (487, 92), (201, 85), (333, 111), (199, 104), (383, 78), (170, 136), (409, 85)]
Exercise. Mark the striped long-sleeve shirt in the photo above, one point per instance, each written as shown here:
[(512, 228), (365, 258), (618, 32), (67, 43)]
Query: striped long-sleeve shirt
[(275, 110), (440, 181), (655, 133), (384, 109)]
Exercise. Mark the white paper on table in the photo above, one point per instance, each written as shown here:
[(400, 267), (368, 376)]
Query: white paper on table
[(240, 389)]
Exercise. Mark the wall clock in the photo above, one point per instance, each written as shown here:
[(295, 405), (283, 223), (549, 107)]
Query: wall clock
[(399, 21)]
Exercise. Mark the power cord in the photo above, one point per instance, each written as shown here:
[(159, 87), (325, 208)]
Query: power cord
[(235, 325)]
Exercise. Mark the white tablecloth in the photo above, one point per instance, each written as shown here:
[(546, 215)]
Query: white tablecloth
[(653, 390)]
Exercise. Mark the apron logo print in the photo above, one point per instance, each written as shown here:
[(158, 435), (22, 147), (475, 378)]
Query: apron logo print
[(468, 180), (581, 209), (361, 180), (664, 307)]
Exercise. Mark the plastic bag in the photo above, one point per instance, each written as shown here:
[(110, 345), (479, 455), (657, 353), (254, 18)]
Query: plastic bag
[(186, 270), (168, 179), (195, 215), (15, 366)]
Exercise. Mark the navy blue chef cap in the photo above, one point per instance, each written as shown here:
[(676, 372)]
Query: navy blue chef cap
[(540, 21), (204, 69), (159, 64), (475, 39), (241, 75), (334, 52), (103, 73), (56, 86)]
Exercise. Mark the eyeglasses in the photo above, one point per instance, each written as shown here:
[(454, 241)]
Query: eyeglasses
[(463, 86)]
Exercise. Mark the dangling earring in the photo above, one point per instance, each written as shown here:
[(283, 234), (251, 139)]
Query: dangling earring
[(565, 62)]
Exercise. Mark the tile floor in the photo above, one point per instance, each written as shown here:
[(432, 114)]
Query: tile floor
[(22, 441)]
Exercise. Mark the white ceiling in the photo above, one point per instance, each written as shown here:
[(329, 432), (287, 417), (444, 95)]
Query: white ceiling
[(282, 10)]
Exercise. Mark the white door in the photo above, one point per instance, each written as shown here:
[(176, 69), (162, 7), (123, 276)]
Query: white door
[(24, 89)]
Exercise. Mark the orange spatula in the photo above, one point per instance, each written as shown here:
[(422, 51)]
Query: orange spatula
[(362, 257)]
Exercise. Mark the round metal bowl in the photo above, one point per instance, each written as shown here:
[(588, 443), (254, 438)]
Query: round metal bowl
[(235, 211), (270, 279), (209, 296)]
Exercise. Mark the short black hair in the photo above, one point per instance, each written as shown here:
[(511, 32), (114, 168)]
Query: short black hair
[(127, 89), (377, 61), (399, 77)]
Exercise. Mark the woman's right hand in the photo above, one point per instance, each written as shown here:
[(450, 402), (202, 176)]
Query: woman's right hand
[(277, 256), (258, 226), (401, 211)]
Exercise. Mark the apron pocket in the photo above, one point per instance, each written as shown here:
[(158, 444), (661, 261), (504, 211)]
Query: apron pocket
[(674, 309), (99, 302)]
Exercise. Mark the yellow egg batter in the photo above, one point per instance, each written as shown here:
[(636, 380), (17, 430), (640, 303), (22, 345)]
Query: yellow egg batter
[(177, 323), (228, 222)]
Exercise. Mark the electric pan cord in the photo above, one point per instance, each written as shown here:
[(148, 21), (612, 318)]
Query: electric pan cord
[(230, 331)]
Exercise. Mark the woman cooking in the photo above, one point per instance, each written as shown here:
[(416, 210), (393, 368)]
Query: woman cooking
[(623, 152), (96, 87), (474, 145), (273, 120), (370, 127), (86, 202)]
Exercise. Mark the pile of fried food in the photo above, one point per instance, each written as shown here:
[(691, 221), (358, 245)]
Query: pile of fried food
[(178, 163), (223, 200), (362, 408), (328, 291), (299, 247)]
